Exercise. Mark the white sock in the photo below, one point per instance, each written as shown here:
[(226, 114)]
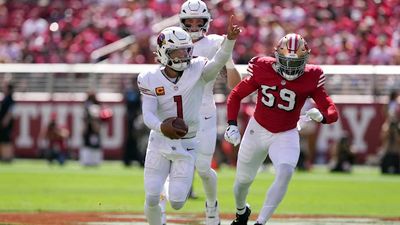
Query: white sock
[(276, 192), (153, 214), (210, 187), (164, 196), (241, 211), (241, 190), (166, 188)]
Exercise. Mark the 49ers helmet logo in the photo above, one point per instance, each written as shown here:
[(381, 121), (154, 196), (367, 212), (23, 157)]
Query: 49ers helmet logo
[(291, 55)]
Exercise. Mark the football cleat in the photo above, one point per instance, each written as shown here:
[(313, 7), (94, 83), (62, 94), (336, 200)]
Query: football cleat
[(242, 219), (212, 215), (257, 223)]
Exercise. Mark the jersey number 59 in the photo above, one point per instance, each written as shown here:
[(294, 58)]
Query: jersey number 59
[(286, 95)]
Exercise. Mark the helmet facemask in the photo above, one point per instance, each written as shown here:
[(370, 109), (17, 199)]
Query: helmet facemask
[(291, 56), (174, 48), (198, 34), (290, 68), (179, 63)]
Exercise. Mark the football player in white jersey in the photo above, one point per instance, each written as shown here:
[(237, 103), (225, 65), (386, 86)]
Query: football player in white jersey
[(195, 18), (173, 90)]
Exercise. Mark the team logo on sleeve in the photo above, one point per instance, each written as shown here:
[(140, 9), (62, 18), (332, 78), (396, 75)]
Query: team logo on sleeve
[(160, 91)]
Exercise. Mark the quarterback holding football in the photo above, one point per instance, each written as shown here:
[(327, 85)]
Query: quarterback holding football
[(173, 90), (195, 19)]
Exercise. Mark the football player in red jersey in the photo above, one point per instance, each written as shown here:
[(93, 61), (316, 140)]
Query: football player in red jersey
[(283, 84)]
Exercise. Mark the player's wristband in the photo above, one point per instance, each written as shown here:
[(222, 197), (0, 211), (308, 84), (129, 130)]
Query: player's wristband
[(232, 122)]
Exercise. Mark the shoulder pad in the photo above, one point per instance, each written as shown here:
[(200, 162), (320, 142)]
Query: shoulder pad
[(315, 69), (198, 59), (215, 37), (262, 59), (316, 73), (143, 83)]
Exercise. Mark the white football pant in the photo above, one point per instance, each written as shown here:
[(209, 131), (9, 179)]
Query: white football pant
[(283, 149), (207, 135), (173, 158)]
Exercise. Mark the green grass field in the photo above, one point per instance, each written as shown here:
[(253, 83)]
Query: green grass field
[(33, 185)]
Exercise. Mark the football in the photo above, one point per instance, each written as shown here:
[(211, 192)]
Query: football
[(170, 125), (180, 124)]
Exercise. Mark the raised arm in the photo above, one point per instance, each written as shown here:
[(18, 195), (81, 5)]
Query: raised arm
[(213, 66)]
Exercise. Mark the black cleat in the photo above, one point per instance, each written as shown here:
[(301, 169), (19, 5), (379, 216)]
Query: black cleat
[(242, 219), (257, 223)]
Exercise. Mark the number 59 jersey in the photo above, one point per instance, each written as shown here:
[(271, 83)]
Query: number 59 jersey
[(181, 98), (279, 101)]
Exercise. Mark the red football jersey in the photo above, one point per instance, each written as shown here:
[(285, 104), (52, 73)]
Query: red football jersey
[(279, 101)]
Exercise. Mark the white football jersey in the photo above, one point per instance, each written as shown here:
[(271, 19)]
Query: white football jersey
[(207, 47), (180, 99)]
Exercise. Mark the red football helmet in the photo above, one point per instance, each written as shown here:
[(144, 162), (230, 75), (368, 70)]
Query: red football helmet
[(291, 55)]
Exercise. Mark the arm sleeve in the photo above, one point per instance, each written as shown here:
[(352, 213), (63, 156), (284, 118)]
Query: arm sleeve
[(149, 109), (324, 103), (243, 89), (212, 67), (149, 104)]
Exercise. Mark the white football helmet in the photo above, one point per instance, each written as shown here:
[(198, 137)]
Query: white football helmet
[(170, 39), (195, 9), (291, 55)]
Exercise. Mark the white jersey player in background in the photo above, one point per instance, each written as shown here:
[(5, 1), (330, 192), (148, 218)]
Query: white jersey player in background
[(173, 91), (195, 18)]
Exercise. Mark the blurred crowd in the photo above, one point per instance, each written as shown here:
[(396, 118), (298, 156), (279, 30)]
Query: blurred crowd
[(68, 31)]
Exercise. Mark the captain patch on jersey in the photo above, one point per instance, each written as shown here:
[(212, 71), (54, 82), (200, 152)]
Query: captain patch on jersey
[(160, 91)]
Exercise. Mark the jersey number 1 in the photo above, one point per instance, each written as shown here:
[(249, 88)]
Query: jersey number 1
[(179, 108)]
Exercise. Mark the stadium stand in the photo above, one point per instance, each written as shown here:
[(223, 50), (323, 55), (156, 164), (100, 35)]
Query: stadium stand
[(120, 32), (58, 31), (48, 48)]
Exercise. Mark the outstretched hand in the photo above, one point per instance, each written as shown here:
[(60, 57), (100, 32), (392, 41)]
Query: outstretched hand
[(233, 30)]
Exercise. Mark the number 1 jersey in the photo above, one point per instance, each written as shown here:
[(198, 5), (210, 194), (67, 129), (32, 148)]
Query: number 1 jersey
[(177, 99)]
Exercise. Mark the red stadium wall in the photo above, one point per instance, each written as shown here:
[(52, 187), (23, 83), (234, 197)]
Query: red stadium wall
[(31, 116), (361, 121)]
